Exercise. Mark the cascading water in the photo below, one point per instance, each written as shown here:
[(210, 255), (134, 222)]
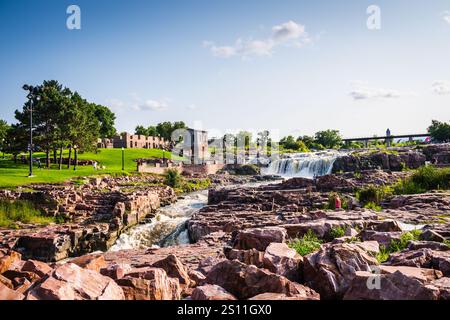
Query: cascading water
[(306, 165), (167, 228)]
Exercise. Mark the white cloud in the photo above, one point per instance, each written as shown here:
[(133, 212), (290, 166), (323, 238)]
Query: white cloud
[(153, 105), (138, 104), (191, 107), (115, 105), (446, 16), (363, 92), (288, 33), (441, 87), (288, 30)]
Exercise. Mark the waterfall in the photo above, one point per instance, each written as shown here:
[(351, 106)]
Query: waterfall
[(167, 228), (306, 165)]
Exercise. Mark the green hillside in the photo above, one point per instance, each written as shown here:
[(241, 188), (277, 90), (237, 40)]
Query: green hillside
[(15, 174)]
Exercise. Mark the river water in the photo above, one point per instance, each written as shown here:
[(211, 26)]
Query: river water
[(168, 227)]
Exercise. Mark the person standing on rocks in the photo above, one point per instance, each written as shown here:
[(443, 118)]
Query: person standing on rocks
[(337, 202)]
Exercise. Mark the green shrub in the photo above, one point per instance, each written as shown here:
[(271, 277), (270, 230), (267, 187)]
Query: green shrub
[(194, 185), (401, 244), (383, 255), (247, 170), (172, 178), (424, 179), (373, 206), (398, 245), (374, 194), (306, 244), (23, 211), (407, 187), (337, 232)]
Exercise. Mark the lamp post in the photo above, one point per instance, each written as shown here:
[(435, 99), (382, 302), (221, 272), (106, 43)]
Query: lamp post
[(33, 93), (75, 148), (123, 159)]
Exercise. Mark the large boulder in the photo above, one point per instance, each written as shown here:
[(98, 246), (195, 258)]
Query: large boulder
[(331, 270), (37, 267), (7, 259), (334, 183), (7, 293), (280, 296), (149, 283), (297, 183), (251, 256), (416, 245), (431, 150), (211, 292), (245, 281), (383, 238), (422, 258), (430, 235), (259, 238), (91, 261), (443, 284), (115, 270), (394, 283), (174, 268), (71, 282), (282, 260)]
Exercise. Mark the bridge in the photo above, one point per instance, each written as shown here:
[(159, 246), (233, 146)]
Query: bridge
[(388, 138)]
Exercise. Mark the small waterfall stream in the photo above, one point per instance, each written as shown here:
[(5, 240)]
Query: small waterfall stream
[(306, 165), (168, 227)]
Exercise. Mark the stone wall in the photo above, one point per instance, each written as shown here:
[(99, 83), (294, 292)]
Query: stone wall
[(156, 168), (188, 169)]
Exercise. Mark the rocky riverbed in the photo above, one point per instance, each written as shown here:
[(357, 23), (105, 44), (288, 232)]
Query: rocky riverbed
[(240, 244)]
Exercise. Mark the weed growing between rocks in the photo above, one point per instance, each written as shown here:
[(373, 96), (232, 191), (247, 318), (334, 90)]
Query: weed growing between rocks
[(182, 185), (398, 245), (12, 212), (307, 244), (373, 206), (373, 194), (424, 179), (337, 232)]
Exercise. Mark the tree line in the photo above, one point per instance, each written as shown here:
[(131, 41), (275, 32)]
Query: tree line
[(62, 119), (163, 129), (327, 139)]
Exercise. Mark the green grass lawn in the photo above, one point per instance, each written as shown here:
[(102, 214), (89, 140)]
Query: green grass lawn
[(13, 175)]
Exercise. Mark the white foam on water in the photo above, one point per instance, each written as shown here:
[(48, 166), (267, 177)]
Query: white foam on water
[(166, 228), (305, 165), (410, 227)]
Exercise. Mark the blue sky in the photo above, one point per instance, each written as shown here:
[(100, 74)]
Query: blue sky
[(297, 66)]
